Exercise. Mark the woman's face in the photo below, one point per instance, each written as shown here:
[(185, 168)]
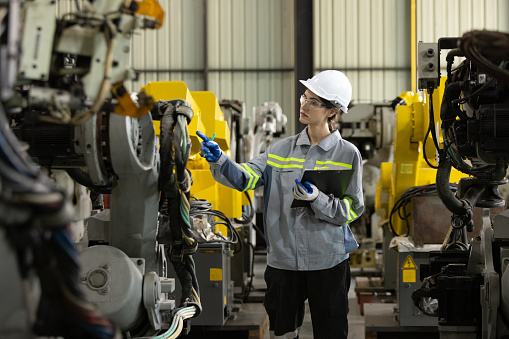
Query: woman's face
[(312, 110)]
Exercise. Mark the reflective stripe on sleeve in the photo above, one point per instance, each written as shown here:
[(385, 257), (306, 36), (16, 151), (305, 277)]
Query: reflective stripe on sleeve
[(351, 214), (253, 177)]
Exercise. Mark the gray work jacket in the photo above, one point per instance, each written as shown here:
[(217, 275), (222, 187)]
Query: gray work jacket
[(301, 238)]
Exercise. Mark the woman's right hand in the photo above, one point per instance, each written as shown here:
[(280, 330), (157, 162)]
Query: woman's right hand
[(208, 149)]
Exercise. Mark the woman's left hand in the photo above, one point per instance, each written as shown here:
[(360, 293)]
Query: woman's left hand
[(305, 191)]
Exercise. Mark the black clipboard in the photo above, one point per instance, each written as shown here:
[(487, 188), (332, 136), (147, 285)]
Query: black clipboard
[(332, 182)]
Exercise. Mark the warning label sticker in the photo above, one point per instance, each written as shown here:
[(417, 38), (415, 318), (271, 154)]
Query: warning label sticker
[(409, 264), (216, 274), (409, 276)]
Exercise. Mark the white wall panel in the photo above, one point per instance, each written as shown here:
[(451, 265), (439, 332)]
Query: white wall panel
[(252, 35), (452, 18), (369, 40), (442, 18)]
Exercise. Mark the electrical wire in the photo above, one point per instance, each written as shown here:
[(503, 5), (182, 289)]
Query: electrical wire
[(399, 208), (200, 207), (247, 219), (177, 323), (250, 286), (476, 92), (431, 128), (426, 281)]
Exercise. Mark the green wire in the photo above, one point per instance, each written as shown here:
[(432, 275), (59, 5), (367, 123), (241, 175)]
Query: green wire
[(182, 124), (180, 314), (446, 146), (185, 216), (192, 262)]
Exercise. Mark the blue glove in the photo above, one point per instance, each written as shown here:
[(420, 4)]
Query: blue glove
[(305, 191), (208, 149)]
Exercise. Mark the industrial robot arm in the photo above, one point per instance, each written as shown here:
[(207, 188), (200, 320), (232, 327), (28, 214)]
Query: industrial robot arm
[(474, 118)]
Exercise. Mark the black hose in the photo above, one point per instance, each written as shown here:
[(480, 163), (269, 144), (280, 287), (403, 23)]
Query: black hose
[(250, 217), (450, 201), (456, 52), (166, 176), (431, 129), (186, 281), (83, 178), (190, 268), (259, 231), (448, 112)]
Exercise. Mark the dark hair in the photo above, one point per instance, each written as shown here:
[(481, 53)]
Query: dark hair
[(331, 119), (327, 103)]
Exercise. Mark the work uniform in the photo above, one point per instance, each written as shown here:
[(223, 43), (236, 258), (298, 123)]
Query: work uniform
[(300, 239)]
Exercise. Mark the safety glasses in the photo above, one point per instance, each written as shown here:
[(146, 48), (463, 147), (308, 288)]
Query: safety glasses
[(312, 104)]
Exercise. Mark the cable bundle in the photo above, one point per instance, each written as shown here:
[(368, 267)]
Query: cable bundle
[(203, 207), (35, 216), (406, 198), (175, 184), (177, 323)]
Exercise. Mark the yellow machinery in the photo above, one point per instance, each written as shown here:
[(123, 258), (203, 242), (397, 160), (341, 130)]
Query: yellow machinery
[(215, 266), (408, 171), (409, 168), (208, 119)]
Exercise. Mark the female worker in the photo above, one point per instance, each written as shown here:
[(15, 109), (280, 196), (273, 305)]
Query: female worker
[(307, 247)]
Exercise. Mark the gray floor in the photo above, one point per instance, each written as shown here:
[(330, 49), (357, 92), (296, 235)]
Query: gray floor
[(355, 319)]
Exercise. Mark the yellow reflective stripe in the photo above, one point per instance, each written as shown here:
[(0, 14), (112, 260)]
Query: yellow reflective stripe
[(253, 176), (333, 163), (280, 162), (347, 201), (285, 159), (351, 213), (250, 176), (321, 168), (284, 166)]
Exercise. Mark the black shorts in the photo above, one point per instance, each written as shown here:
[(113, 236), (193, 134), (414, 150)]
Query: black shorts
[(327, 294)]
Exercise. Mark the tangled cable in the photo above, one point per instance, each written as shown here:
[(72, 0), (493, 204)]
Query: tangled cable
[(399, 208), (203, 207), (478, 46), (175, 184)]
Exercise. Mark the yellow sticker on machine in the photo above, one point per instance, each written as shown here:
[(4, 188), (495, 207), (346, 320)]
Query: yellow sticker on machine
[(409, 264), (216, 274), (409, 276), (407, 168)]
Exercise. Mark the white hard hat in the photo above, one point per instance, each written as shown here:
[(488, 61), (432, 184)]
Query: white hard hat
[(333, 86)]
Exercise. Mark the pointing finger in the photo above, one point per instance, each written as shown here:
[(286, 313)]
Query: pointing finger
[(202, 136)]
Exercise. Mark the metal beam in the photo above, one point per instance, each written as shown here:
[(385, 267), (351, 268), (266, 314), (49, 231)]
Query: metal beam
[(303, 51), (367, 69), (205, 47), (413, 46), (209, 70)]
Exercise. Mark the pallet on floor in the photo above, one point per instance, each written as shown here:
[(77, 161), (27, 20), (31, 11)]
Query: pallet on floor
[(371, 290), (251, 322)]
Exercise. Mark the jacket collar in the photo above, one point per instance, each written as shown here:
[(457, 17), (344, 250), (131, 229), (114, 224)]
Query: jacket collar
[(326, 144)]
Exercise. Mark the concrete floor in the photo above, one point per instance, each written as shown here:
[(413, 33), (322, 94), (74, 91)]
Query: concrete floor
[(355, 319)]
